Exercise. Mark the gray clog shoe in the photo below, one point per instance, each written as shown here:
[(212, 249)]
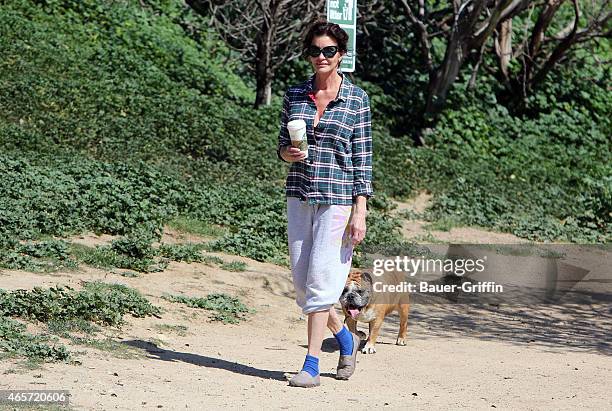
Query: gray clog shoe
[(305, 380), (346, 363)]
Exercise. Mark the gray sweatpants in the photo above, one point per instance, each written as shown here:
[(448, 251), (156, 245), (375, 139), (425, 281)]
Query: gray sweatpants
[(320, 250)]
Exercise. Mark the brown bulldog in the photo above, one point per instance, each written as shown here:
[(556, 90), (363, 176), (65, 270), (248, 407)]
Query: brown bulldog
[(360, 303)]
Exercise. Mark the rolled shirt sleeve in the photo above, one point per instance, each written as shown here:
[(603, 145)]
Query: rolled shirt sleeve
[(283, 136), (362, 150)]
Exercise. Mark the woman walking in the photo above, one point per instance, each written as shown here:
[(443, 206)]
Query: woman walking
[(326, 191)]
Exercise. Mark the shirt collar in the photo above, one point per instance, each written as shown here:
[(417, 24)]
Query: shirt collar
[(343, 92)]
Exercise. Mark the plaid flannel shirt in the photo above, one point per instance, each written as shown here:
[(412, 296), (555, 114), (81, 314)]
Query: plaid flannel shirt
[(339, 163)]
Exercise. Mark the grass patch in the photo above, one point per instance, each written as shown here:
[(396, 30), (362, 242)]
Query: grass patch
[(132, 257), (234, 266), (225, 308), (63, 327), (409, 214), (107, 257), (116, 348), (428, 238), (443, 224), (179, 330), (195, 226), (129, 274), (189, 252), (211, 260)]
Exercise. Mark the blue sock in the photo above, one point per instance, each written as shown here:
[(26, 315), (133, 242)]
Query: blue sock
[(345, 340), (311, 365)]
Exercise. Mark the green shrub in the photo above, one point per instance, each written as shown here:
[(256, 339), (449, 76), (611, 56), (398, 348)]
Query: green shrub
[(234, 266), (188, 253), (96, 302), (14, 340), (226, 308), (51, 255), (137, 246)]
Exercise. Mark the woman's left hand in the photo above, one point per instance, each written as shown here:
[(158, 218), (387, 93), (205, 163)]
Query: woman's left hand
[(358, 227)]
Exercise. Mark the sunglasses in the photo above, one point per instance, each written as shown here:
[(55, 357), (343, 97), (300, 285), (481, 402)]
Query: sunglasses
[(328, 52)]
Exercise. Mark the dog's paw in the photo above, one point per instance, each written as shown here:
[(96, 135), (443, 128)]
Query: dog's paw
[(368, 349), (362, 336), (400, 341)]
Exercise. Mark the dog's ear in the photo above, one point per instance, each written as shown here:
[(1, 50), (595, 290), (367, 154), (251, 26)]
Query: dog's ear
[(366, 278)]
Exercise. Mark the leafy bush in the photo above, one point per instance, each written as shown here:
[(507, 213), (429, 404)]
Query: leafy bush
[(50, 255), (188, 253), (135, 246), (65, 195), (234, 266), (226, 308), (105, 257), (97, 302), (14, 340), (64, 309)]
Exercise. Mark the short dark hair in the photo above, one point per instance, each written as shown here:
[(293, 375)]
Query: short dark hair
[(324, 28)]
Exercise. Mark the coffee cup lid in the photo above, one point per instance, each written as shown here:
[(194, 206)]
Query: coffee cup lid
[(296, 124)]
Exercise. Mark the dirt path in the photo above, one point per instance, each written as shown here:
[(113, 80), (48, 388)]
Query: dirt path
[(456, 357)]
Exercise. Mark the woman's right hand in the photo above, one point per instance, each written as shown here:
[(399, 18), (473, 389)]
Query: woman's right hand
[(292, 154)]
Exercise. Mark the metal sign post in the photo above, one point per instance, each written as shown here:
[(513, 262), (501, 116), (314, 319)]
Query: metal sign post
[(344, 13)]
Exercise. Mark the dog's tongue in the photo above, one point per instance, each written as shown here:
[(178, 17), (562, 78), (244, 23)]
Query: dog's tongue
[(354, 312)]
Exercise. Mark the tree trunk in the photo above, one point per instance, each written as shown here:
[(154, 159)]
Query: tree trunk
[(264, 90), (459, 45), (443, 79), (263, 69)]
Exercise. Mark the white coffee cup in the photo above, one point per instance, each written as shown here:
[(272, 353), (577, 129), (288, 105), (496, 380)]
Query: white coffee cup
[(297, 132)]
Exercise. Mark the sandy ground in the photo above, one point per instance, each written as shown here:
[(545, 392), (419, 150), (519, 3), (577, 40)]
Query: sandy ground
[(457, 357)]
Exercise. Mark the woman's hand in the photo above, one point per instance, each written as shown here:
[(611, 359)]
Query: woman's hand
[(292, 154), (358, 221), (358, 228)]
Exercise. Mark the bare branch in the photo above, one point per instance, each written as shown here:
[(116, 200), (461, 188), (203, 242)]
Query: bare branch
[(472, 82), (559, 52), (483, 33), (421, 32), (542, 24), (515, 8)]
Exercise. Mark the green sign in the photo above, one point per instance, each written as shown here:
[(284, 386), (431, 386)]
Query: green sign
[(344, 13)]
